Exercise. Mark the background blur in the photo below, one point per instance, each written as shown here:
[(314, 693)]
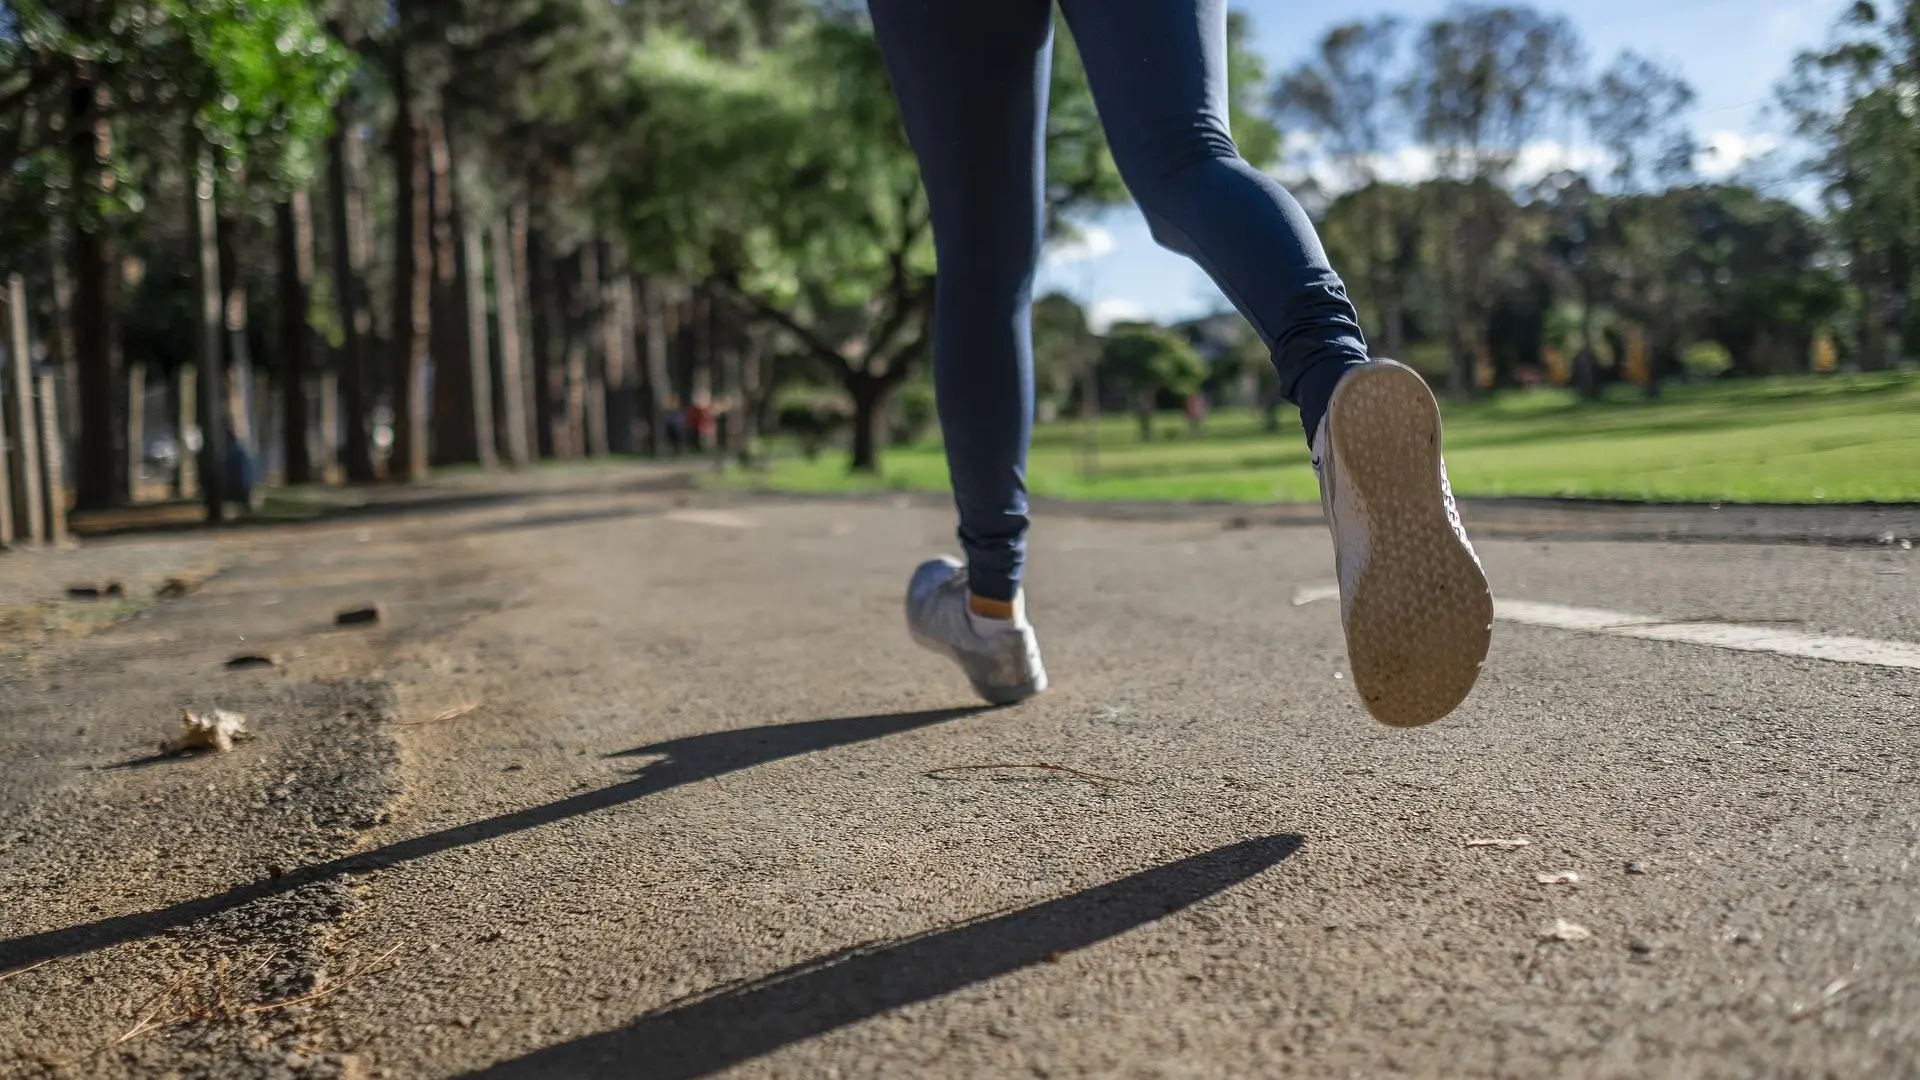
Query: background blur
[(1645, 251)]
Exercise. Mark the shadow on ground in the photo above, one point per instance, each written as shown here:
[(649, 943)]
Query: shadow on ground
[(682, 761), (717, 1030)]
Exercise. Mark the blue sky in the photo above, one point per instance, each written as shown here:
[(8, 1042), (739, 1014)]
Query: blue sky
[(1732, 51)]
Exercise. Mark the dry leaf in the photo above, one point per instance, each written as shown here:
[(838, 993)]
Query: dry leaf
[(217, 730)]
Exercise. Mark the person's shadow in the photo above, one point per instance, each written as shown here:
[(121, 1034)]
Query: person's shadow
[(718, 1029), (685, 761)]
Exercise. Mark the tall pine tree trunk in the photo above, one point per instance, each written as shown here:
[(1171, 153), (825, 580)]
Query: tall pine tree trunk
[(456, 440), (618, 347), (587, 357), (102, 481), (538, 277), (570, 363), (412, 283), (294, 221), (63, 358), (659, 391), (700, 373), (231, 234), (473, 277), (346, 220), (868, 394), (513, 379), (210, 395)]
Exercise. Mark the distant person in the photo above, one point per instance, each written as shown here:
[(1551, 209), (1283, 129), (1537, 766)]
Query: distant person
[(972, 84), (701, 422), (676, 425), (1197, 412)]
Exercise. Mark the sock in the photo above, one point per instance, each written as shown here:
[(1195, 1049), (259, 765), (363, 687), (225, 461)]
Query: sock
[(994, 616)]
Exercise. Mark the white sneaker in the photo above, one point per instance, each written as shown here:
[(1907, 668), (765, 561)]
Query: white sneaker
[(1003, 664), (1413, 598)]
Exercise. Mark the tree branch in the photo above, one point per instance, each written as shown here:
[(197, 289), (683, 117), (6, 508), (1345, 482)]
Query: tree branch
[(906, 299), (905, 307), (902, 363), (813, 342)]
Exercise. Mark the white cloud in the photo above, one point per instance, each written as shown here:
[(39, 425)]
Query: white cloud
[(1413, 164), (1724, 152), (1092, 243), (1542, 159), (1102, 314)]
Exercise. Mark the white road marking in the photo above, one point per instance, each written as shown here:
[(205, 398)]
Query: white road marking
[(1737, 636), (718, 519), (1312, 593)]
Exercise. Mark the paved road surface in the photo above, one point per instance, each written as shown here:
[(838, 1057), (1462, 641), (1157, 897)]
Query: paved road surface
[(638, 784)]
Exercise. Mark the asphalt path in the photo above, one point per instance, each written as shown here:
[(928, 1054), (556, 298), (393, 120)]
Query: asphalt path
[(642, 783)]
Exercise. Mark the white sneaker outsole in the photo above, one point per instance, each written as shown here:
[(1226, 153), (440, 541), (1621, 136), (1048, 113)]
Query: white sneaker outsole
[(1419, 617)]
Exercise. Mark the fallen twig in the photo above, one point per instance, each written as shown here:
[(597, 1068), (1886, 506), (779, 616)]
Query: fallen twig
[(29, 967), (450, 714), (153, 1007), (327, 991)]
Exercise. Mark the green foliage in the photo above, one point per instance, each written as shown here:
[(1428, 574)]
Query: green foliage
[(1146, 360), (812, 419), (1853, 103), (255, 77), (1634, 111), (1254, 132), (261, 83), (1485, 82), (1706, 359), (1063, 346), (914, 414), (788, 170)]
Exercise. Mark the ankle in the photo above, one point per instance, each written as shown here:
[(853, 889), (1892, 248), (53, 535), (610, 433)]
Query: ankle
[(988, 616), (987, 608)]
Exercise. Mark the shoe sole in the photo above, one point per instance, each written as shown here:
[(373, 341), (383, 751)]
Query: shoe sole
[(992, 695), (1421, 617)]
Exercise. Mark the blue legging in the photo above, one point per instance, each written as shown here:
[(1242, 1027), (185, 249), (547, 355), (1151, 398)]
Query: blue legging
[(971, 77)]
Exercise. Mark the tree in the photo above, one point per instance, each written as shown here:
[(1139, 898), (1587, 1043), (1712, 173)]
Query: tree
[(1582, 236), (1634, 111), (1144, 361), (1344, 98), (1485, 84), (250, 79), (1064, 347), (788, 183), (1852, 102)]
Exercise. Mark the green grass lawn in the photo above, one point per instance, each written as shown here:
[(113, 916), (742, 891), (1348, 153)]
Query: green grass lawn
[(1841, 438)]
